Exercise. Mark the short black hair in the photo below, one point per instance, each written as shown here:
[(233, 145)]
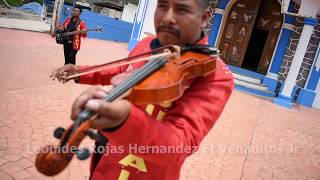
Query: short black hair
[(79, 7)]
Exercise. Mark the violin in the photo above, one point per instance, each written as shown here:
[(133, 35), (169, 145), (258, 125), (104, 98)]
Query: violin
[(162, 79)]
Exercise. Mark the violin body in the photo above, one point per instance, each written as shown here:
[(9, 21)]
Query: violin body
[(169, 83)]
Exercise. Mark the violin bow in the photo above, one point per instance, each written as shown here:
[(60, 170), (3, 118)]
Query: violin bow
[(119, 62)]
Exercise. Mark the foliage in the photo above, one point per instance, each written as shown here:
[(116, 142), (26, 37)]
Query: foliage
[(136, 2), (12, 2)]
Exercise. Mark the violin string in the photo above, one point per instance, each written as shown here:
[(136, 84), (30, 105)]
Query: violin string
[(155, 63), (126, 59), (150, 67), (116, 65)]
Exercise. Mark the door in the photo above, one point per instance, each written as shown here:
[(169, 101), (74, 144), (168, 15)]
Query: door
[(251, 34), (255, 49), (270, 20), (237, 31)]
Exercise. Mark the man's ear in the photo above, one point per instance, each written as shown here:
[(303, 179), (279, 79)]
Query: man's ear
[(205, 18)]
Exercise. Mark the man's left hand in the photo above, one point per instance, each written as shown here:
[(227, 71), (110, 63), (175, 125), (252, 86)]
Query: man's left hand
[(110, 115)]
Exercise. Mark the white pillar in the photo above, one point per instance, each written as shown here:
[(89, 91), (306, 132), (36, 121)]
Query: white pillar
[(316, 102), (148, 24), (306, 34), (58, 5), (43, 12), (143, 24)]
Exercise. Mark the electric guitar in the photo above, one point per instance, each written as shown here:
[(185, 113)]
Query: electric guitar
[(62, 35)]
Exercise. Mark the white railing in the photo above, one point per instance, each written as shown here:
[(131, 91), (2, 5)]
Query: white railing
[(285, 7)]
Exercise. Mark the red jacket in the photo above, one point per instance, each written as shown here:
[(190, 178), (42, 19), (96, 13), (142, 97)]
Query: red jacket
[(171, 133), (77, 37)]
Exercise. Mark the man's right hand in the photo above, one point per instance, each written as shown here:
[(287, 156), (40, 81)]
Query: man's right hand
[(64, 71)]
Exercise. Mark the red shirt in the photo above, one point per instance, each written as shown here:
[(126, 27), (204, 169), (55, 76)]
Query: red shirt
[(77, 37), (171, 133)]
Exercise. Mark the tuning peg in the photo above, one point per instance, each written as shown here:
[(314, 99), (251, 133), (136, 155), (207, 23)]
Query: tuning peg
[(83, 154), (97, 136), (58, 132)]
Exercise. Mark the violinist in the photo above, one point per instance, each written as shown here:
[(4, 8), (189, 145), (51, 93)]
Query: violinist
[(182, 123)]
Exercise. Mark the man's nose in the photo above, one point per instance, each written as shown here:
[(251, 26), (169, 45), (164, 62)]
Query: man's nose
[(169, 17)]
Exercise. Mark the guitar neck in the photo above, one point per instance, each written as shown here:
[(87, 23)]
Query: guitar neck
[(81, 31)]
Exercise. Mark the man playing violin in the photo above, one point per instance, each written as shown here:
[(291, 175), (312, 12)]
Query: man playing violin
[(183, 123), (72, 43)]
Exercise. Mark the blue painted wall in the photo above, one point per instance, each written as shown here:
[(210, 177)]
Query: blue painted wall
[(113, 29), (223, 4), (215, 29), (314, 79), (280, 51)]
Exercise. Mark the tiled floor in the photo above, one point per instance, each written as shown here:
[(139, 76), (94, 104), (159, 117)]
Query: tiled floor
[(253, 139)]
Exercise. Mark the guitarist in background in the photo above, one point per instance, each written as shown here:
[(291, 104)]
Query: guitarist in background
[(72, 43)]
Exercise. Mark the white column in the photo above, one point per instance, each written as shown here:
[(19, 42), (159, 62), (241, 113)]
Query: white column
[(44, 11), (148, 24), (298, 56), (316, 102), (143, 24)]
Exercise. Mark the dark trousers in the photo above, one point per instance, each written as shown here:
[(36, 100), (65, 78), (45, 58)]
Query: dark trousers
[(69, 54)]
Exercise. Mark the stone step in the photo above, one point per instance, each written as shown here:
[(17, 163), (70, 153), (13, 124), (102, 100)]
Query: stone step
[(251, 85), (253, 89), (246, 78)]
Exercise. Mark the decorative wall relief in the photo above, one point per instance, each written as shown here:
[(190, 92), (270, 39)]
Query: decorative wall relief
[(234, 15), (230, 31), (247, 17), (241, 35), (239, 5), (225, 49), (235, 55), (264, 22)]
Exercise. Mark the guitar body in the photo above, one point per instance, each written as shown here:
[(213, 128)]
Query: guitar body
[(62, 35), (59, 38)]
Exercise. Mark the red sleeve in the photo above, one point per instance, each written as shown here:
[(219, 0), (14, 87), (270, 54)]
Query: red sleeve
[(83, 27), (104, 77), (99, 78), (66, 22), (185, 124)]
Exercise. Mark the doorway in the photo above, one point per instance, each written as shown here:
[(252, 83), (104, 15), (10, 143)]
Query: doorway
[(255, 49), (250, 34)]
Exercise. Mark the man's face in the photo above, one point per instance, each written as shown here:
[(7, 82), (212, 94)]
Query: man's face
[(179, 21), (76, 12)]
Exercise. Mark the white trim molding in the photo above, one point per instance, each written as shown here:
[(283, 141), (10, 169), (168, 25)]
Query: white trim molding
[(219, 11), (288, 26), (272, 75)]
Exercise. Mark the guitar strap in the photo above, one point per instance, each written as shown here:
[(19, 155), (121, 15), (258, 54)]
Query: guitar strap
[(70, 39), (78, 23)]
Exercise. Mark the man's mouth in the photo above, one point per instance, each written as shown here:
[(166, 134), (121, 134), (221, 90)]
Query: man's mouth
[(170, 30)]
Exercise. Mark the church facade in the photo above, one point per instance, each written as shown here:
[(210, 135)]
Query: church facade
[(272, 52)]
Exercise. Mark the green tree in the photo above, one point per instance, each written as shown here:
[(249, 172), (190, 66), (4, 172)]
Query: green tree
[(136, 2)]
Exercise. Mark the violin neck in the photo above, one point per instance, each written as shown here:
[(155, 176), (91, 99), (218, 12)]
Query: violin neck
[(150, 67)]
